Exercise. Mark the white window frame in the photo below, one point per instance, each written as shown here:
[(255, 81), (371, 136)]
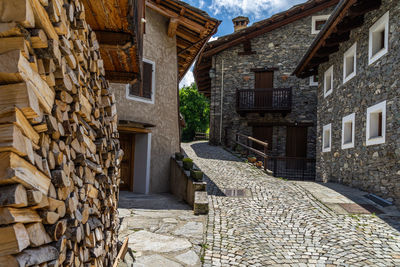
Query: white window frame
[(327, 72), (352, 51), (312, 82), (382, 23), (349, 118), (314, 19), (153, 87), (324, 129), (380, 107)]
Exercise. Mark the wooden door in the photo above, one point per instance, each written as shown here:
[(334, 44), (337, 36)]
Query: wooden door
[(127, 165), (263, 80), (296, 142), (263, 133)]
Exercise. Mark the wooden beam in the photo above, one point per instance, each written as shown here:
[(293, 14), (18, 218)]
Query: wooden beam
[(364, 7), (114, 38), (171, 14), (133, 129), (121, 77), (172, 26), (349, 24), (326, 51), (336, 39)]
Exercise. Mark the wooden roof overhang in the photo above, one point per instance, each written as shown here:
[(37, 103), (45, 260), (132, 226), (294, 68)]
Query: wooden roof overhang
[(348, 15), (203, 65), (191, 26), (119, 30)]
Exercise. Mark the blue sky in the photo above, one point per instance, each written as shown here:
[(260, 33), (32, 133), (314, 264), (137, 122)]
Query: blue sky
[(226, 10)]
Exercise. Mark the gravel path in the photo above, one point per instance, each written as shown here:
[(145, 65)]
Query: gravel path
[(279, 223)]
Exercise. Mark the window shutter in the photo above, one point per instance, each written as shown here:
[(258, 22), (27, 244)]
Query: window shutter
[(380, 124), (147, 79), (134, 89)]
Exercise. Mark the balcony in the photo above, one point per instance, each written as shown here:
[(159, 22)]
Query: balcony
[(264, 100)]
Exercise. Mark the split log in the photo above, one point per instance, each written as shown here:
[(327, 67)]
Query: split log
[(12, 215), (13, 239), (13, 196), (37, 234), (35, 256)]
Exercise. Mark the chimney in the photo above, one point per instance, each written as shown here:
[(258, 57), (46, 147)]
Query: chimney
[(240, 23)]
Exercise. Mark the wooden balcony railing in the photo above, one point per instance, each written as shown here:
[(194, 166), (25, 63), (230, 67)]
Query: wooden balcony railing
[(264, 100)]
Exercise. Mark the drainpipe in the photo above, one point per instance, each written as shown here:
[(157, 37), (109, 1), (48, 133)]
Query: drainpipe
[(222, 97)]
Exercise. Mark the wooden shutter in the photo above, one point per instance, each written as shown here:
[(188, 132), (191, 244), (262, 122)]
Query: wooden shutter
[(380, 122), (147, 79), (134, 89)]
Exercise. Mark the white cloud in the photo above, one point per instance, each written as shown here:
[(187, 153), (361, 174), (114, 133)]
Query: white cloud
[(188, 79), (260, 9), (213, 38), (201, 3)]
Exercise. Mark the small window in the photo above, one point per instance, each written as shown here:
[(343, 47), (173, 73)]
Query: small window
[(314, 80), (144, 91), (348, 125), (326, 138), (318, 23), (378, 38), (349, 63), (376, 124), (328, 82)]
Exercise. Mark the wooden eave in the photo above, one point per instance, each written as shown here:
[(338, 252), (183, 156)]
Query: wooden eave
[(119, 31), (191, 26), (348, 15), (276, 21)]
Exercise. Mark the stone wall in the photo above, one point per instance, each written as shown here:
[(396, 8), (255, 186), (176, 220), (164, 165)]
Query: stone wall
[(281, 49), (374, 168), (161, 49)]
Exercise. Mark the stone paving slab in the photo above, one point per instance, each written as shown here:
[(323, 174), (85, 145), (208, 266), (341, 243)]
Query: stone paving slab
[(282, 224), (162, 231)]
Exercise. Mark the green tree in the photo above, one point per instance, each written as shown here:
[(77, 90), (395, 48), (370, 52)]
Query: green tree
[(195, 108)]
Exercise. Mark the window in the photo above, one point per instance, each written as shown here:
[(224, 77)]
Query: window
[(349, 63), (348, 125), (144, 92), (317, 23), (376, 124), (378, 39), (314, 80), (328, 81), (326, 138)]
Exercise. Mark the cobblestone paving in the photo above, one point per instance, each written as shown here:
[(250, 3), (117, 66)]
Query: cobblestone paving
[(281, 224)]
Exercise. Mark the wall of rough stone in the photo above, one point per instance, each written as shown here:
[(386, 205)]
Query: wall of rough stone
[(373, 168), (282, 49), (161, 49)]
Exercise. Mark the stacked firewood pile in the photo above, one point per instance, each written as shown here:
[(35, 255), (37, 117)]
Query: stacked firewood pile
[(59, 148)]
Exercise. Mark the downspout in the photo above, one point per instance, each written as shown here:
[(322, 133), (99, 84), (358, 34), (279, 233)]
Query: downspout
[(222, 98)]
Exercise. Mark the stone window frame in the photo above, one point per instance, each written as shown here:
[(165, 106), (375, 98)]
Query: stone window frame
[(381, 24), (375, 140), (349, 118), (314, 20), (329, 71), (326, 128), (312, 81), (351, 52), (153, 87)]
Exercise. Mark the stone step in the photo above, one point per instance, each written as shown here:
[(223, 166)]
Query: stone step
[(200, 203)]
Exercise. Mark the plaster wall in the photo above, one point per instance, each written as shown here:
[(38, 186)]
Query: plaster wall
[(161, 49), (374, 168)]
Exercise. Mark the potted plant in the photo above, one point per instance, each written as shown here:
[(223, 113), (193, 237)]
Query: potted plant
[(197, 175), (259, 164), (252, 159), (187, 163), (179, 156)]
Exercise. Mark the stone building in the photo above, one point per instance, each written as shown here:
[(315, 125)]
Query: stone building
[(147, 103), (357, 56), (248, 77)]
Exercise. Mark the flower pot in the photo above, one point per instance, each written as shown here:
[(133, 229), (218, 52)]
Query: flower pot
[(196, 175), (252, 159), (179, 156), (187, 165), (259, 164)]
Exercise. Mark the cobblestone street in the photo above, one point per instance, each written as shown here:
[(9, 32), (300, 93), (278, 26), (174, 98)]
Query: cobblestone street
[(280, 223)]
